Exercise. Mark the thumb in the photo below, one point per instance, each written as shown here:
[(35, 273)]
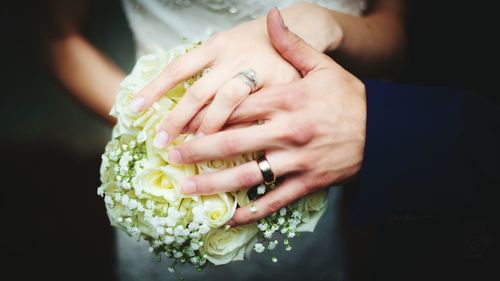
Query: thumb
[(290, 46)]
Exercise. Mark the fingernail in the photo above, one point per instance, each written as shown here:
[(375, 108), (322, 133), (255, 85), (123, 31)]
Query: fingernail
[(231, 223), (174, 157), (137, 104), (161, 139), (199, 135), (282, 23), (188, 187)]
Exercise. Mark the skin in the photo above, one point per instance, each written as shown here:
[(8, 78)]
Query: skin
[(291, 95), (313, 134), (374, 40)]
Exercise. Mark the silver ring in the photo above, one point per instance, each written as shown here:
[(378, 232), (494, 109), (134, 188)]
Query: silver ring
[(265, 169), (249, 77)]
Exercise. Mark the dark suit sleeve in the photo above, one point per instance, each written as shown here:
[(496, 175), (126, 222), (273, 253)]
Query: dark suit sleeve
[(428, 150)]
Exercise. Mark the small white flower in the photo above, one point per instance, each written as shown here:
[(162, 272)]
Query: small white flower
[(171, 269), (282, 211), (204, 229), (177, 254), (259, 248), (150, 204), (262, 226), (125, 200), (100, 191), (180, 240), (268, 234), (109, 201), (261, 189), (272, 245), (253, 208), (169, 239), (195, 245), (160, 230)]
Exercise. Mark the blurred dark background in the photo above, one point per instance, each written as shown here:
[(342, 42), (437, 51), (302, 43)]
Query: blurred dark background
[(55, 226)]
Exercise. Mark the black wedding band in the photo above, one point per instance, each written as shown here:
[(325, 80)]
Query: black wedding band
[(265, 169)]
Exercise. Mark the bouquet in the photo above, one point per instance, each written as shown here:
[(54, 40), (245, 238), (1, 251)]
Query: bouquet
[(142, 194)]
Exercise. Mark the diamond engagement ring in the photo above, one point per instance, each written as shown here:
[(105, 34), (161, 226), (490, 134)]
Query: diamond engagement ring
[(249, 77)]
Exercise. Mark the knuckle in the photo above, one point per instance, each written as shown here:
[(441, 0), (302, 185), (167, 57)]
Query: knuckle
[(301, 188), (299, 132), (293, 100), (218, 41), (243, 219), (305, 162), (174, 124), (205, 186), (174, 68), (247, 178), (274, 205), (229, 96), (196, 96), (230, 145), (188, 154)]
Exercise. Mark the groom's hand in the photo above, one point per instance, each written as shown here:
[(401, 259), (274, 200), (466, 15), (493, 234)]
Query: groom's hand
[(313, 134)]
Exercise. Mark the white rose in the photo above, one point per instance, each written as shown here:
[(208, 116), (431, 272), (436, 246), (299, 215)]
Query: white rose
[(130, 121), (145, 70), (223, 246), (163, 181), (312, 207), (219, 208), (219, 164)]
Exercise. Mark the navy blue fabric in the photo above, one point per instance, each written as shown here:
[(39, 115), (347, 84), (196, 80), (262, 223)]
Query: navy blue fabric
[(428, 150)]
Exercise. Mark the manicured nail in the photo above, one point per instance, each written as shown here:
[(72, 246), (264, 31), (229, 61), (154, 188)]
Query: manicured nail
[(231, 223), (174, 156), (161, 139), (137, 104), (188, 187)]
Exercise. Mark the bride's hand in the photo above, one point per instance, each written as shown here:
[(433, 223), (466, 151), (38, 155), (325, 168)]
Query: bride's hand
[(314, 132), (227, 53)]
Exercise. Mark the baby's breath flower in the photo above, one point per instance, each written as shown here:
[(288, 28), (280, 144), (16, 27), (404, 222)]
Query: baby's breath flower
[(141, 189), (259, 248), (272, 245), (261, 189)]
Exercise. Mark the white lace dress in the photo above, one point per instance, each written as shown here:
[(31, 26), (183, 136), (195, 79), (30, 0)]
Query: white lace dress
[(168, 23)]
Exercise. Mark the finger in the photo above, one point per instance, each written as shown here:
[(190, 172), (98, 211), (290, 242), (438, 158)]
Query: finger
[(260, 105), (229, 96), (175, 72), (238, 126), (243, 176), (225, 144), (289, 191), (290, 46), (194, 124), (195, 98)]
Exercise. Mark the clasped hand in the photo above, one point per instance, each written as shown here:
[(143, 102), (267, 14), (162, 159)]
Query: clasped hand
[(312, 128)]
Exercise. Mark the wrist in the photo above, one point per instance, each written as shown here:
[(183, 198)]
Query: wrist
[(315, 24)]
